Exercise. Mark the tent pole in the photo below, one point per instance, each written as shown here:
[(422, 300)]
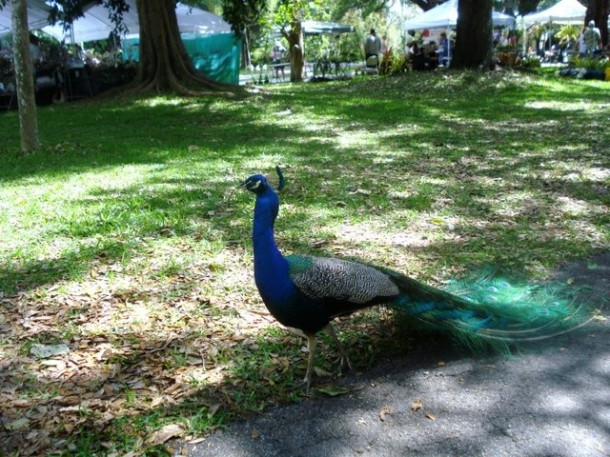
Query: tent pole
[(449, 46), (523, 37)]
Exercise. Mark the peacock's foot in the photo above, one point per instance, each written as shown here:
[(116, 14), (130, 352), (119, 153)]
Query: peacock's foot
[(307, 383), (344, 365), (345, 362)]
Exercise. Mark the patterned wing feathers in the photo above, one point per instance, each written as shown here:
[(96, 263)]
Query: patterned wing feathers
[(328, 278)]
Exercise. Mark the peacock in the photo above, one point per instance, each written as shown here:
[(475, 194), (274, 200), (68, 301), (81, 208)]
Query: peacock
[(306, 293)]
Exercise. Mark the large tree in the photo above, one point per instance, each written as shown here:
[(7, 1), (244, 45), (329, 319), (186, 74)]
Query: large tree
[(164, 63), (24, 77), (290, 15), (473, 42)]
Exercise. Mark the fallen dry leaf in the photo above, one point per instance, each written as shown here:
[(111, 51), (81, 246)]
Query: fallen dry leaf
[(213, 410), (321, 372), (165, 433), (386, 410), (333, 391), (199, 439), (417, 405)]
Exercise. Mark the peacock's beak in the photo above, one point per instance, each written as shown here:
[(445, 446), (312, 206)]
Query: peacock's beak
[(252, 184)]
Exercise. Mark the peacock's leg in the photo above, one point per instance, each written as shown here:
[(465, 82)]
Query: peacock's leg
[(311, 346), (344, 358)]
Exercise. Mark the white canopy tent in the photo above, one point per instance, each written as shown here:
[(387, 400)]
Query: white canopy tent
[(210, 42), (565, 11), (445, 15), (96, 25), (38, 12), (325, 28), (313, 28)]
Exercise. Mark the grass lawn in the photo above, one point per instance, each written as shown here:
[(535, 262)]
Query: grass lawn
[(128, 312)]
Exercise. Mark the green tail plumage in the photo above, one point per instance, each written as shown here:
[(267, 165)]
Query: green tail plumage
[(490, 311)]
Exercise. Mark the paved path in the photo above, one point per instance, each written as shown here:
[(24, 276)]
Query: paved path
[(552, 401)]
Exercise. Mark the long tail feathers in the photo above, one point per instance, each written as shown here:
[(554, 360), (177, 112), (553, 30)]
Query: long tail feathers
[(489, 311)]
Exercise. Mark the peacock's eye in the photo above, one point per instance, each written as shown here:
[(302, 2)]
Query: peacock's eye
[(252, 184)]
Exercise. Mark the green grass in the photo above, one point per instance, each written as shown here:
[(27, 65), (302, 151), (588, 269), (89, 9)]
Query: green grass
[(127, 236)]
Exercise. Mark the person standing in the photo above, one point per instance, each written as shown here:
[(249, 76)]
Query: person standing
[(277, 54), (384, 45), (582, 46), (593, 38), (372, 45), (444, 49)]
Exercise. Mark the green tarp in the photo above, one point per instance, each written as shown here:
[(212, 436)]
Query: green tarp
[(216, 56)]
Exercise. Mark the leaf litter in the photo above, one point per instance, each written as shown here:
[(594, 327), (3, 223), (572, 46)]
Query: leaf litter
[(84, 356), (91, 355)]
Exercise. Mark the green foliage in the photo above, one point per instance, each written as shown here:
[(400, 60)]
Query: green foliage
[(348, 47), (214, 6), (260, 56), (387, 60), (568, 34), (364, 7), (393, 64), (290, 11), (529, 63), (589, 63), (400, 64), (243, 15)]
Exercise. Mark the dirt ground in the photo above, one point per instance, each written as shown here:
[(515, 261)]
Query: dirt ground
[(551, 400)]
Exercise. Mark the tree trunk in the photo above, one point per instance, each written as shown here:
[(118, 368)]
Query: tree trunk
[(296, 51), (598, 11), (164, 63), (24, 76), (246, 58), (473, 42)]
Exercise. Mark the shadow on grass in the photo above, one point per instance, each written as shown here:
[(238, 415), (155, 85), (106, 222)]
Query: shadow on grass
[(231, 137), (395, 359)]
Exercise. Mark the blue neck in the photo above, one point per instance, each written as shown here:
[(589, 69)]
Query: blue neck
[(270, 268)]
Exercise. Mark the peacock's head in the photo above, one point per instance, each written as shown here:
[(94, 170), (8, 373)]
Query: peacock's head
[(256, 183)]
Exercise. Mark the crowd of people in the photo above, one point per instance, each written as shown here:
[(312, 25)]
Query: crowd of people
[(588, 43), (427, 52), (62, 71), (424, 54), (48, 68)]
